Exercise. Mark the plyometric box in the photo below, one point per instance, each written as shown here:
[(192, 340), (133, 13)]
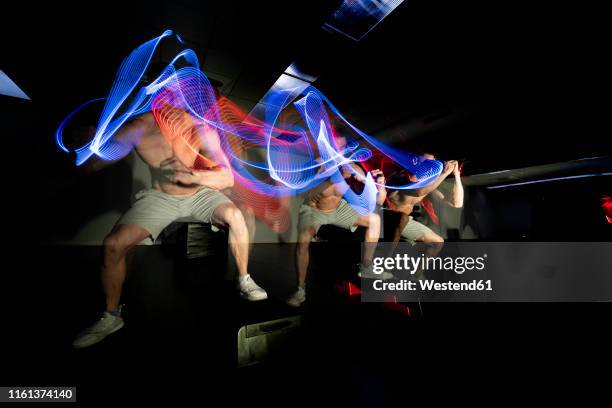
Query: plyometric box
[(196, 240), (261, 341)]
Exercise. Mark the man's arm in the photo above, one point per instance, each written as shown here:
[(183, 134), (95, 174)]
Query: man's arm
[(380, 180), (218, 178), (358, 169), (377, 175), (456, 199), (448, 169), (127, 136)]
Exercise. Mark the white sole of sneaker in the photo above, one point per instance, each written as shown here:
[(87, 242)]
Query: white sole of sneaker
[(107, 334), (116, 328), (374, 277), (245, 296)]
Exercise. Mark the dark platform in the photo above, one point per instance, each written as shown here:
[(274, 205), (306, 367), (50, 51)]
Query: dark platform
[(182, 319)]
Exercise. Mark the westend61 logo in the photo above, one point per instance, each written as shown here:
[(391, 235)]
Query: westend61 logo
[(413, 264)]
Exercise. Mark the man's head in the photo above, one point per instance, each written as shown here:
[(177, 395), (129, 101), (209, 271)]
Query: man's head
[(409, 176), (398, 199), (401, 177), (429, 156)]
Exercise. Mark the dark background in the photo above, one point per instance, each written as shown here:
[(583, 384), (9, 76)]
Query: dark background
[(524, 81), (497, 84)]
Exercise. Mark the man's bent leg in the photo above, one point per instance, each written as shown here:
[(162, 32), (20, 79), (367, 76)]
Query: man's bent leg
[(249, 219), (434, 243), (309, 221), (371, 222), (228, 214), (150, 214), (302, 259), (117, 244), (414, 231), (302, 254), (346, 217)]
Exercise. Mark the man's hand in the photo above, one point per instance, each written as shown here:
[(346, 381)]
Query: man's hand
[(379, 179), (187, 179), (172, 165), (352, 171), (456, 200), (177, 172), (449, 167), (457, 170)]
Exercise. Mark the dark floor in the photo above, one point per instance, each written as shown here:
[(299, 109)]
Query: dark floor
[(182, 319)]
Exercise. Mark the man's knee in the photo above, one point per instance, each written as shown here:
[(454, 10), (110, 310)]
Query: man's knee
[(122, 239), (369, 221), (115, 245), (233, 217), (374, 221), (432, 238), (304, 238)]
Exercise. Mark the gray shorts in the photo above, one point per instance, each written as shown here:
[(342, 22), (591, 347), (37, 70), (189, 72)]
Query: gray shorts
[(154, 210), (414, 230), (344, 217)]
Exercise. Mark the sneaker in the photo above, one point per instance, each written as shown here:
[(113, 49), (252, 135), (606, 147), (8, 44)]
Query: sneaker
[(297, 298), (367, 272), (250, 290), (108, 324)]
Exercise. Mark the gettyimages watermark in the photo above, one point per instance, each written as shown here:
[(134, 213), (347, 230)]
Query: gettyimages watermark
[(489, 271), (412, 264)]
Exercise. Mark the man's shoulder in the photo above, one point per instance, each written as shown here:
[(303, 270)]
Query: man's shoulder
[(146, 118), (411, 192)]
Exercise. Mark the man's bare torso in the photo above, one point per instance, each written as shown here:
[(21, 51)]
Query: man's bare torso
[(324, 197), (157, 150), (407, 207)]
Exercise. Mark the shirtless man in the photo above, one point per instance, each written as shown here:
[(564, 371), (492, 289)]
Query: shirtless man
[(403, 201), (179, 190), (324, 205)]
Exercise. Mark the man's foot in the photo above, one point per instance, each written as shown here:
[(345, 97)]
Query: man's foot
[(108, 324), (367, 272), (297, 298), (250, 290)]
